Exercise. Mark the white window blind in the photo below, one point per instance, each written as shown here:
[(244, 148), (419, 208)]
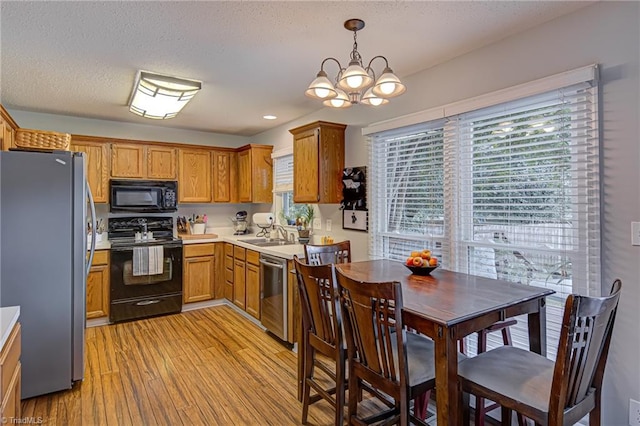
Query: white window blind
[(409, 197), (283, 173), (510, 192)]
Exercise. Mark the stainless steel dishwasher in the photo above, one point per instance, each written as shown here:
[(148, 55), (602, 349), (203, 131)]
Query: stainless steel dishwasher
[(273, 294)]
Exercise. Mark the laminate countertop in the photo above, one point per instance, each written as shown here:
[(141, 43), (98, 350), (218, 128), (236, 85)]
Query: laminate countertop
[(284, 251), (8, 318)]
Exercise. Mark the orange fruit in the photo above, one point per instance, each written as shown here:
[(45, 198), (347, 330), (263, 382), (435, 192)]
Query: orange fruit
[(433, 261), (417, 261), (409, 261), (415, 254), (426, 253)]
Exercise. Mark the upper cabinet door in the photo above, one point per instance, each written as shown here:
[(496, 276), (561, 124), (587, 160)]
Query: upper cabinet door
[(305, 168), (128, 161), (318, 161), (255, 174), (97, 159), (222, 177), (261, 174), (244, 176), (194, 176), (161, 162)]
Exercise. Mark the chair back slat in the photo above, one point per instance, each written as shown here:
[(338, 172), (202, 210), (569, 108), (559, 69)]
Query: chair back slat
[(330, 253), (583, 347), (318, 300), (373, 326)]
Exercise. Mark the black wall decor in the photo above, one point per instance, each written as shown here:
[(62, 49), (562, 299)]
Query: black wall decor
[(354, 199), (354, 188)]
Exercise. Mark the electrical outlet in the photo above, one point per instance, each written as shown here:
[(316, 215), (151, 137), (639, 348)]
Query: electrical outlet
[(317, 224), (634, 413), (635, 233), (328, 225)]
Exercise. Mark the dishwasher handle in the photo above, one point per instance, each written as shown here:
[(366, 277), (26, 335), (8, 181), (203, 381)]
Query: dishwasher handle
[(273, 265)]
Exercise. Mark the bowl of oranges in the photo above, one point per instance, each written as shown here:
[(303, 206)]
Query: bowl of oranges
[(421, 262)]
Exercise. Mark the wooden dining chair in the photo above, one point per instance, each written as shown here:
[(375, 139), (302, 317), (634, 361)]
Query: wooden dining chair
[(381, 352), (322, 325), (550, 393), (329, 253)]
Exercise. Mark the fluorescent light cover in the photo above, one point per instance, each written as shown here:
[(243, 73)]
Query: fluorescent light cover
[(161, 97), (269, 117)]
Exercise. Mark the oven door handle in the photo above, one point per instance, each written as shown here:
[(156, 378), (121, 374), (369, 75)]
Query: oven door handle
[(273, 265), (147, 302)]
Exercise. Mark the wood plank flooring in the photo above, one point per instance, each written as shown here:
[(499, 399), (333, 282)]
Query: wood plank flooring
[(206, 367)]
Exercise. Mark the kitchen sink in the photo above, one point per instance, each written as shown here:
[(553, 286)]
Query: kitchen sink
[(263, 242)]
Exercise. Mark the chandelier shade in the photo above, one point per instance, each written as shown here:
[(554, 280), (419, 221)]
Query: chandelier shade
[(340, 101), (356, 83), (388, 85), (321, 87), (161, 97)]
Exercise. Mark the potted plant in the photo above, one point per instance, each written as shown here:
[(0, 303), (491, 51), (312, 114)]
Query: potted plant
[(305, 220)]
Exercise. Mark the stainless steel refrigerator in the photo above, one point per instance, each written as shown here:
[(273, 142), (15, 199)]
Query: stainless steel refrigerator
[(43, 265)]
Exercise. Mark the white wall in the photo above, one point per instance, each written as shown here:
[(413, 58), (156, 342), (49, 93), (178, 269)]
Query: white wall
[(606, 33), (116, 129)]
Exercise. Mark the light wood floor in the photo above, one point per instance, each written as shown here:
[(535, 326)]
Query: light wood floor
[(206, 367)]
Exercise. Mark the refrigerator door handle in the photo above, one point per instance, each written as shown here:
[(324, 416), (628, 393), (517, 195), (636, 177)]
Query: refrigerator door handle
[(92, 206)]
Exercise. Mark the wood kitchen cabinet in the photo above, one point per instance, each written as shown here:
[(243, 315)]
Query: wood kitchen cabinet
[(128, 161), (138, 161), (225, 177), (198, 272), (98, 286), (252, 282), (97, 162), (228, 271), (194, 175), (318, 161), (10, 377), (255, 174), (161, 162), (7, 129), (239, 279)]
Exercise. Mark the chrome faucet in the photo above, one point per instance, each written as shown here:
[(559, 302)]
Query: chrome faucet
[(281, 230)]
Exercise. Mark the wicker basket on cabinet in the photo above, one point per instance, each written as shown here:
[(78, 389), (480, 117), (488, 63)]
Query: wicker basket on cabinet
[(40, 139)]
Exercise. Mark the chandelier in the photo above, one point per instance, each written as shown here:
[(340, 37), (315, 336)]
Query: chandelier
[(355, 84)]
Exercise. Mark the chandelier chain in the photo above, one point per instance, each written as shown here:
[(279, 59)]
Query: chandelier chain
[(355, 55)]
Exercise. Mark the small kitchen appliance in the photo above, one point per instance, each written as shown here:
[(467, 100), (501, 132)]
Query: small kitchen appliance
[(143, 196), (240, 223), (265, 222)]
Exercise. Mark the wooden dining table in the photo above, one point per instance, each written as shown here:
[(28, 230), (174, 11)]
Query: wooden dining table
[(447, 306)]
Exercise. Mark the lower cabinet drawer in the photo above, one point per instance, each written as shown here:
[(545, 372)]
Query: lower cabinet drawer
[(228, 262), (198, 250)]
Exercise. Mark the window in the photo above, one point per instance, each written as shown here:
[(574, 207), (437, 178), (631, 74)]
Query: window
[(509, 191), (283, 189)]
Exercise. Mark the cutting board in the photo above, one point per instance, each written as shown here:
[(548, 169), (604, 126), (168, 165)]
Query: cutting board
[(198, 236)]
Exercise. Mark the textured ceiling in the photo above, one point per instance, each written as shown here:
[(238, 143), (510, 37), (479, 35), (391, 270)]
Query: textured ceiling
[(254, 58)]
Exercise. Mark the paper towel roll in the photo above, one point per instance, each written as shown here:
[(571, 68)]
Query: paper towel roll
[(263, 220)]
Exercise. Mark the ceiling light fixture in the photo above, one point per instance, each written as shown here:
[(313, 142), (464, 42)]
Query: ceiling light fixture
[(269, 117), (159, 96), (355, 84)]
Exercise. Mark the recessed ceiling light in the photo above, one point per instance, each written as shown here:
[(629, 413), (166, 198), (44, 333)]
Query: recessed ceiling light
[(269, 117)]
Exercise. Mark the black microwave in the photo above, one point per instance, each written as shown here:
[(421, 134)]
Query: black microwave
[(143, 196)]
